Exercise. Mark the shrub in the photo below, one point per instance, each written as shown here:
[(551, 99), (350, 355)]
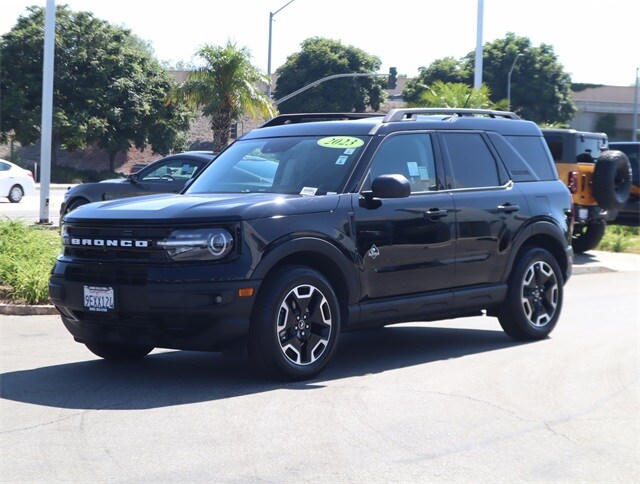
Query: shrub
[(27, 255)]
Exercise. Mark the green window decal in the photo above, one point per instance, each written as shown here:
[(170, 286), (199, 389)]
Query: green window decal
[(340, 142)]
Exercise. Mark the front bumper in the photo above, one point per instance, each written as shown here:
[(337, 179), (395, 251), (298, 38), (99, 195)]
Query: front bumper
[(206, 316)]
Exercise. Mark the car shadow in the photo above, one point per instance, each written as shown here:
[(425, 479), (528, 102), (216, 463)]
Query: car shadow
[(180, 377)]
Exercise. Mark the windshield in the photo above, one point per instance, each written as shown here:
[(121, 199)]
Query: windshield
[(305, 165)]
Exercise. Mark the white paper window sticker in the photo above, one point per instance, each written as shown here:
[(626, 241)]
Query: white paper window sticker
[(349, 151), (341, 160), (412, 166), (308, 191), (424, 173)]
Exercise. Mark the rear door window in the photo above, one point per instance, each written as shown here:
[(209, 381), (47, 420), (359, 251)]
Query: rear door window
[(472, 163)]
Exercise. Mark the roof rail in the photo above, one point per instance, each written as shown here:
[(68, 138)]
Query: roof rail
[(405, 114), (309, 117)]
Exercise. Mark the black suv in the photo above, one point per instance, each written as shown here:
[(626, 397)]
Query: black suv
[(303, 229)]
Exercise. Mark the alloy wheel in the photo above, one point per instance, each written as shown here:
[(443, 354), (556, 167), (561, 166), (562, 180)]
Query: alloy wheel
[(540, 293), (304, 325)]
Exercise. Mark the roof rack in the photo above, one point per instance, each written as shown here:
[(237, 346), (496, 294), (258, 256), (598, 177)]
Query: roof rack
[(308, 117), (411, 113)]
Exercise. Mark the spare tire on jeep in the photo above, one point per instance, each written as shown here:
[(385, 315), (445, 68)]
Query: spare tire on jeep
[(612, 180)]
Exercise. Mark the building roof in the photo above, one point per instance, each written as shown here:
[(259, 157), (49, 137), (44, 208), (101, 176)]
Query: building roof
[(606, 94)]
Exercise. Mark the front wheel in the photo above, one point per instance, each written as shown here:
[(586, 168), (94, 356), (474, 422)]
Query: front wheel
[(117, 351), (534, 297), (295, 324)]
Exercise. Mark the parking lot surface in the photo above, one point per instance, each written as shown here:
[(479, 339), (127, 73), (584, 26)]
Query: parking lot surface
[(449, 401)]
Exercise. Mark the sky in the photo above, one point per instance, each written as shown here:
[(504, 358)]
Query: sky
[(596, 41)]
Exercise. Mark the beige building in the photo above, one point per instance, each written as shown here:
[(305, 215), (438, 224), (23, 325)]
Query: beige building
[(607, 105)]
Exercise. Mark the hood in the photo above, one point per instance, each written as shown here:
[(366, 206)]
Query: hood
[(173, 208)]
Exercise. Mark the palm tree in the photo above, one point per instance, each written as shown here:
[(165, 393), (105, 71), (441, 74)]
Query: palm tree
[(225, 88), (457, 95)]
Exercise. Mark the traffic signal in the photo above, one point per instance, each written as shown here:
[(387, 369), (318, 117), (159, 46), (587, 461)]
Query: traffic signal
[(392, 81), (233, 130)]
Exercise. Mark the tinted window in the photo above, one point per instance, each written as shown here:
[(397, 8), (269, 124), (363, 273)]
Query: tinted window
[(306, 165), (410, 155), (534, 151), (472, 163), (4, 166), (554, 142), (172, 170)]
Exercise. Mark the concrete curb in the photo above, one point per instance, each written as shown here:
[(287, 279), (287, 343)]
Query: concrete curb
[(27, 310)]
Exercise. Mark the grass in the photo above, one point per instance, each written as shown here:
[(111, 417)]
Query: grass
[(619, 238), (27, 255)]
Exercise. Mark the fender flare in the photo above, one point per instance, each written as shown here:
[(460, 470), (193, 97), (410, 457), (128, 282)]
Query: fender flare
[(546, 229), (282, 249)]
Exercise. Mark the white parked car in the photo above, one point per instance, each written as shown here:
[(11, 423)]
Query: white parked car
[(15, 182)]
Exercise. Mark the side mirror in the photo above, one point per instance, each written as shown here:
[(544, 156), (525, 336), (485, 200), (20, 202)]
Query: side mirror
[(390, 186), (385, 186)]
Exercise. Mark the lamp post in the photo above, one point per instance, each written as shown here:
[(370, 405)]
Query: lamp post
[(271, 15), (509, 81)]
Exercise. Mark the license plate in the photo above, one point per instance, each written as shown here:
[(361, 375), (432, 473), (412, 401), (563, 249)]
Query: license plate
[(98, 298), (583, 213)]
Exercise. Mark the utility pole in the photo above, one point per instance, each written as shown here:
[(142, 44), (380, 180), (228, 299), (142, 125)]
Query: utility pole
[(271, 15), (477, 78), (47, 109)]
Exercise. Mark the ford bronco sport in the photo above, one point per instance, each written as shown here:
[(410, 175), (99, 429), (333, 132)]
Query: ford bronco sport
[(599, 180), (303, 229)]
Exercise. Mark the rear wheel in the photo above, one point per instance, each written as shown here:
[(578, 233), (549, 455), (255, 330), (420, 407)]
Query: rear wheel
[(587, 236), (295, 324), (15, 194), (534, 297), (118, 351)]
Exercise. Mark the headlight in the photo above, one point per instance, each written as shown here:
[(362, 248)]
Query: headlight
[(198, 244)]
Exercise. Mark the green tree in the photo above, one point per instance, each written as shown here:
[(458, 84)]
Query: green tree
[(320, 58), (456, 95), (540, 89), (108, 89), (447, 70), (225, 88)]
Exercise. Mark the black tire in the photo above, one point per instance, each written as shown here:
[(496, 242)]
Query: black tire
[(119, 352), (295, 324), (534, 297), (612, 180), (15, 194), (587, 236), (78, 202)]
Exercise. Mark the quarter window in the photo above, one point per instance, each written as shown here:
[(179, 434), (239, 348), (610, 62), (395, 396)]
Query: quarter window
[(472, 163)]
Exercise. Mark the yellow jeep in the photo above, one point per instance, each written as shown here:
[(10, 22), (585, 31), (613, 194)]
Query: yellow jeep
[(598, 178)]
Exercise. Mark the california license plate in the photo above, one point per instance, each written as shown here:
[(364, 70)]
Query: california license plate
[(98, 298)]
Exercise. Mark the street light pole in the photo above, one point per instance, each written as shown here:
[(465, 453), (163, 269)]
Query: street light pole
[(271, 15), (509, 81)]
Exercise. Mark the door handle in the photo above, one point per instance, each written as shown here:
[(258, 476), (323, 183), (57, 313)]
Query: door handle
[(508, 207), (435, 213)]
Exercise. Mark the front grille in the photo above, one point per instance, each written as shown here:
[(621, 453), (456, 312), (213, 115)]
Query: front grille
[(107, 243), (107, 275), (154, 254)]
